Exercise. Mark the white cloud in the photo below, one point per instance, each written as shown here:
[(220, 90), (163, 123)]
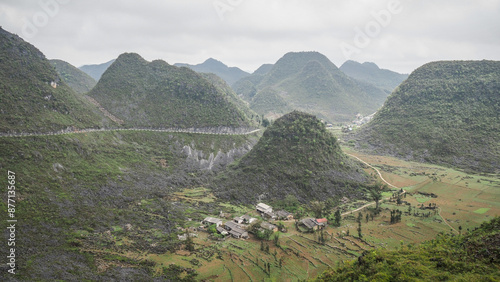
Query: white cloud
[(254, 32)]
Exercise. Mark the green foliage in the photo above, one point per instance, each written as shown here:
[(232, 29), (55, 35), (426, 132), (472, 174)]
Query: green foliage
[(295, 156), (445, 113), (28, 101), (156, 94), (471, 257), (78, 80)]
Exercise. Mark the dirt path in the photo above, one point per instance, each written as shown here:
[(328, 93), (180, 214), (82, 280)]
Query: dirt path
[(382, 178)]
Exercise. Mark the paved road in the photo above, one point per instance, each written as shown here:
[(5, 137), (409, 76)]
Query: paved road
[(172, 130)]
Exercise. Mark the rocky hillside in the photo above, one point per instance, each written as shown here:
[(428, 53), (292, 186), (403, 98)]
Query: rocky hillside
[(309, 82), (33, 97), (445, 112), (297, 156), (156, 94), (78, 80), (369, 72)]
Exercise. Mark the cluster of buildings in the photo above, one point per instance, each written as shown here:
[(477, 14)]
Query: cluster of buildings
[(238, 226)]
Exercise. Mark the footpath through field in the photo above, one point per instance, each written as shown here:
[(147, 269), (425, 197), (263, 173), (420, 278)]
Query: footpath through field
[(385, 181)]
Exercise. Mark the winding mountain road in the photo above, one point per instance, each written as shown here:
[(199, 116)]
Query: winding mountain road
[(213, 131)]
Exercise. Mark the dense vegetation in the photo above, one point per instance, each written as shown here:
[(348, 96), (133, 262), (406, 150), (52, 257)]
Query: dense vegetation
[(309, 82), (371, 73), (28, 102), (471, 257), (96, 71), (77, 194), (295, 156), (78, 80), (156, 94), (445, 113), (229, 74)]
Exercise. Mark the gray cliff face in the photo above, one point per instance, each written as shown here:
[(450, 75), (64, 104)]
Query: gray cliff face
[(198, 160)]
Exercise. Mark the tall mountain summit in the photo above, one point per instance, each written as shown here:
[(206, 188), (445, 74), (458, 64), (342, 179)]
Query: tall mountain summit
[(310, 82), (298, 156), (446, 112), (229, 74), (156, 94)]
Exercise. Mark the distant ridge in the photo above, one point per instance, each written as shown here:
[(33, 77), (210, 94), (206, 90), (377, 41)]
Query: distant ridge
[(446, 112), (96, 71), (229, 74), (371, 73)]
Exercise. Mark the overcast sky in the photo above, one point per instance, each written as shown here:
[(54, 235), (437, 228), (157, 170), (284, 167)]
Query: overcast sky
[(397, 35)]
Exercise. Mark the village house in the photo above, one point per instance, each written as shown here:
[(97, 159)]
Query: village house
[(310, 223), (284, 215), (248, 219), (212, 220), (269, 226), (222, 231), (235, 230), (239, 219), (322, 221), (263, 208)]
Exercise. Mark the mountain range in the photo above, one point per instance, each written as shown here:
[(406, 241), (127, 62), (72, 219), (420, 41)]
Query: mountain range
[(310, 82)]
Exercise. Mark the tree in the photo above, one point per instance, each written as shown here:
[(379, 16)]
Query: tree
[(376, 196), (317, 208), (276, 239), (360, 218), (338, 218), (212, 229), (189, 243)]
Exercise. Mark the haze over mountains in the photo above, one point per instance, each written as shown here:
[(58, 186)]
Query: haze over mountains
[(446, 112)]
